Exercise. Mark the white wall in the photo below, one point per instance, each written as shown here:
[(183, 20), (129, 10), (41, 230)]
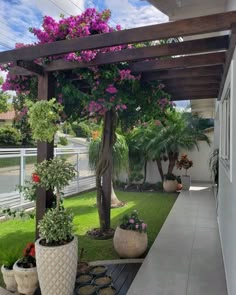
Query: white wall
[(227, 196), (200, 171), (230, 5)]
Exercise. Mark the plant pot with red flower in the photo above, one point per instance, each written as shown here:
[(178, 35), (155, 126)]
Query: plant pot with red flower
[(185, 163), (25, 271), (130, 239)]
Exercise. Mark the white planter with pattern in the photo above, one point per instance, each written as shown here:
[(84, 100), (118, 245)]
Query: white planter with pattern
[(26, 279), (57, 267), (9, 279)]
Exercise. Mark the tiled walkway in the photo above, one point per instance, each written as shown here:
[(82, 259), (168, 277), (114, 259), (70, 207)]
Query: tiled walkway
[(186, 257)]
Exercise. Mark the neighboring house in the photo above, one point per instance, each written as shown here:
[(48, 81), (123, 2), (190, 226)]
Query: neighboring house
[(224, 137), (7, 118)]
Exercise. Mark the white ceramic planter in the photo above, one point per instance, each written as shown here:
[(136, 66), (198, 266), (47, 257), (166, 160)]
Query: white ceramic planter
[(57, 267), (170, 186), (186, 182), (26, 279), (9, 279), (129, 243)]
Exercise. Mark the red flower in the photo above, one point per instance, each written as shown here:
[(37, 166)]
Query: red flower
[(35, 177), (29, 250)]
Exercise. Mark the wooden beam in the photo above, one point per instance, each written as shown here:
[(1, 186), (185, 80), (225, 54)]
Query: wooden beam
[(30, 66), (229, 56), (19, 71), (172, 49), (212, 71), (187, 94), (192, 97), (181, 28), (46, 90), (179, 82), (193, 88), (179, 62)]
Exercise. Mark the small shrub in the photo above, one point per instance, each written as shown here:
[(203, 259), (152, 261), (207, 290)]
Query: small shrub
[(81, 129), (170, 176), (63, 140), (133, 222), (56, 226), (10, 136)]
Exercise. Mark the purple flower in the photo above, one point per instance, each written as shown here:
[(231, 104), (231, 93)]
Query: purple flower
[(144, 226), (111, 89), (131, 220), (136, 226)]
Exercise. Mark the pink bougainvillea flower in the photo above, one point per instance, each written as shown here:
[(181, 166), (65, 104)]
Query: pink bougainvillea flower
[(111, 89), (131, 220)]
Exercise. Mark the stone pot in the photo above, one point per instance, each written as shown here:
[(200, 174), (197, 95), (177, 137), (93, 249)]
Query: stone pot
[(9, 279), (186, 182), (57, 267), (26, 279), (170, 186), (129, 243)]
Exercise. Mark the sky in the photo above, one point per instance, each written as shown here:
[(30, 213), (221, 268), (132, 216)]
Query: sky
[(17, 16)]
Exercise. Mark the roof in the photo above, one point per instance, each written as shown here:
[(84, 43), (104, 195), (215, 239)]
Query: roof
[(10, 115)]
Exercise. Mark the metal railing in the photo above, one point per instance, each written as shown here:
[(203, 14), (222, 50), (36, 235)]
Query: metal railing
[(17, 165)]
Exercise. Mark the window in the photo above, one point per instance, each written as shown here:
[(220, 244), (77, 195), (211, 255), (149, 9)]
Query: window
[(225, 130)]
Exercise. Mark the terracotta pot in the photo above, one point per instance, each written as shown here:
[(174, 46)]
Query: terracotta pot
[(9, 279), (129, 243), (186, 182), (57, 267), (179, 186), (26, 279), (170, 186)]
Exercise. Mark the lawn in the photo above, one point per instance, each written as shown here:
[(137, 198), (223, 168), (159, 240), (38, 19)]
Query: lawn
[(153, 208)]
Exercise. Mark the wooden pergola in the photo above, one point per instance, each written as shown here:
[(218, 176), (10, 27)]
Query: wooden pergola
[(194, 69)]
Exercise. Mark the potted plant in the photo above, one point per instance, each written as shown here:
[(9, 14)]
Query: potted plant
[(170, 183), (130, 239), (9, 257), (25, 271), (185, 163), (57, 249)]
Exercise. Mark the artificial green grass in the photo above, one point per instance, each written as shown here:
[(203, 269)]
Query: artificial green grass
[(153, 208)]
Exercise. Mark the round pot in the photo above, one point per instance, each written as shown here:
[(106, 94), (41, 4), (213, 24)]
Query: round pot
[(103, 281), (81, 290), (57, 267), (26, 279), (170, 186), (9, 279), (129, 243), (98, 270), (186, 182), (84, 279), (107, 290)]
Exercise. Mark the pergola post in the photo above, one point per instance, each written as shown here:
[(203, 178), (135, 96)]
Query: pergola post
[(44, 199)]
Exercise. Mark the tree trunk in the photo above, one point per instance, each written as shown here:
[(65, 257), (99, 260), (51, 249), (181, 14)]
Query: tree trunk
[(115, 202), (145, 171), (172, 161), (104, 171), (159, 166)]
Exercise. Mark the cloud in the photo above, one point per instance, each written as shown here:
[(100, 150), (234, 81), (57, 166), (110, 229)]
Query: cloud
[(130, 15), (22, 14)]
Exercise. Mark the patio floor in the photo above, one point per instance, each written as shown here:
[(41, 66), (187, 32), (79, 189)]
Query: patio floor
[(186, 257)]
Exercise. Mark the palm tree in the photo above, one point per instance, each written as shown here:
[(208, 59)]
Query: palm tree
[(120, 159), (174, 134), (158, 141)]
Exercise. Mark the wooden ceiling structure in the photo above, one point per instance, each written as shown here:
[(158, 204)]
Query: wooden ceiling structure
[(192, 69)]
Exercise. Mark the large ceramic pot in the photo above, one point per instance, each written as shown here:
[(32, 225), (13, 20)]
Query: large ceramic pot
[(9, 279), (186, 182), (26, 279), (57, 267), (129, 243), (170, 186)]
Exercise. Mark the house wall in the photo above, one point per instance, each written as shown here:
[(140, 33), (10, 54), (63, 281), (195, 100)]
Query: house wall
[(230, 5), (227, 188)]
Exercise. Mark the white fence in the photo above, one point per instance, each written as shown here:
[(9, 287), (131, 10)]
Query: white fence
[(17, 165)]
